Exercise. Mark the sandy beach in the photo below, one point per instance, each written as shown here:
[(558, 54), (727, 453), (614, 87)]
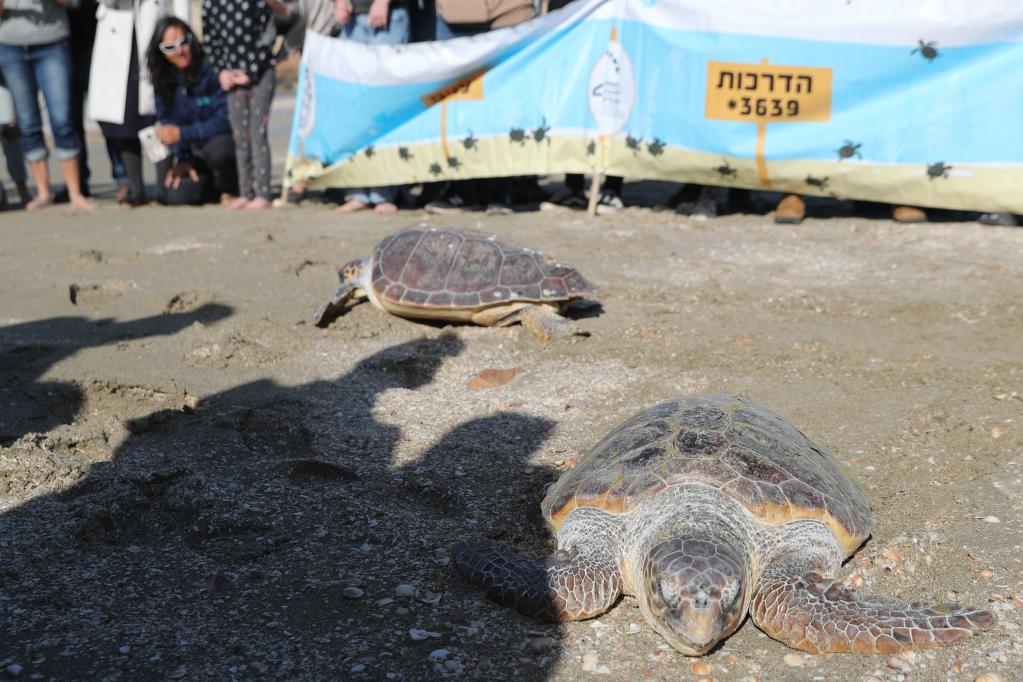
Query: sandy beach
[(197, 483)]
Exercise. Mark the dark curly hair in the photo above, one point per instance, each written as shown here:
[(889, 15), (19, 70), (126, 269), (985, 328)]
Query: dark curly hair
[(163, 74)]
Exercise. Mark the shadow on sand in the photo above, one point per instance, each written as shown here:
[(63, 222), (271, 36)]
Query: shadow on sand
[(29, 349), (266, 533)]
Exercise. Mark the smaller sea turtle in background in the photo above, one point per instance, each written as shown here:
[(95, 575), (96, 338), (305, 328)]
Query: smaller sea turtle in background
[(435, 168), (707, 508), (849, 150), (633, 143), (470, 142), (938, 170), (404, 153), (518, 135), (725, 170), (463, 276), (453, 162), (927, 50), (540, 134), (819, 183), (656, 148)]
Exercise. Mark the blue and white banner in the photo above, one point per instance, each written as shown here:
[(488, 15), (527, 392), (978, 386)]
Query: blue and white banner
[(918, 102)]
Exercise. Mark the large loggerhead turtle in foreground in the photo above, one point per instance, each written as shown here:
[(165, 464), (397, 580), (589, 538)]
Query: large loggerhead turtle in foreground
[(704, 509), (461, 276)]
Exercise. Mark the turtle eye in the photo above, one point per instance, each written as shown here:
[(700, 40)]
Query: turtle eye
[(669, 593), (730, 593)]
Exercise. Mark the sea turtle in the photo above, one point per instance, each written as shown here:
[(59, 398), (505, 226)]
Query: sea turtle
[(849, 150), (461, 275), (928, 49), (706, 508), (938, 170)]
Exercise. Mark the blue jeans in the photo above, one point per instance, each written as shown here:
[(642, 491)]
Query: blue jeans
[(396, 33), (29, 69)]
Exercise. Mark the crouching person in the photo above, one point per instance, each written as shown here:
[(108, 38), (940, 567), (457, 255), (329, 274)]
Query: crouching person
[(192, 120)]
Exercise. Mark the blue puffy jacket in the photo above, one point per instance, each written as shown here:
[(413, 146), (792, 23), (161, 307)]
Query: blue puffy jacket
[(200, 111)]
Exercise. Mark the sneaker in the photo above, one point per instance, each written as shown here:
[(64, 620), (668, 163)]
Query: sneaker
[(568, 198), (998, 219), (609, 202), (499, 209), (452, 203)]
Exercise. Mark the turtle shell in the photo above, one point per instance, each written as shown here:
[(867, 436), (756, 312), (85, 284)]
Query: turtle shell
[(447, 268), (743, 449)]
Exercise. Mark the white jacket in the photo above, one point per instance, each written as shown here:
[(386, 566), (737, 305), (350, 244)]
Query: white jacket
[(111, 54)]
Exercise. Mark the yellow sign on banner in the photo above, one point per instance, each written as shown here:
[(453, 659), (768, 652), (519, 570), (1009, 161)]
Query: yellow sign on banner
[(763, 93), (470, 87)]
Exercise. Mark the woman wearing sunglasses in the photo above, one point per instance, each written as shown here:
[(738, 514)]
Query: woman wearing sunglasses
[(192, 119), (120, 89)]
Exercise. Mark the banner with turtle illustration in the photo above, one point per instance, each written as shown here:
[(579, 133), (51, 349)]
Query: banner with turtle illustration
[(918, 102)]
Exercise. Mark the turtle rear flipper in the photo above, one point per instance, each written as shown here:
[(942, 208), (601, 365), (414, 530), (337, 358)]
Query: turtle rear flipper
[(819, 615), (330, 310), (566, 586), (545, 323)]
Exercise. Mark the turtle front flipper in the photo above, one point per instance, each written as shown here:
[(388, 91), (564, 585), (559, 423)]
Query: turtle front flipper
[(569, 585), (336, 305), (819, 615), (545, 323)]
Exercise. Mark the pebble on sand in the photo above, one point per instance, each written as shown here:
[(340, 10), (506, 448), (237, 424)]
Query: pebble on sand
[(541, 645), (591, 664), (700, 668), (352, 592), (404, 590), (418, 635), (793, 660), (989, 677), (13, 669)]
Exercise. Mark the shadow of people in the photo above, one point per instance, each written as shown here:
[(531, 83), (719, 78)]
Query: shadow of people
[(269, 532), (29, 349)]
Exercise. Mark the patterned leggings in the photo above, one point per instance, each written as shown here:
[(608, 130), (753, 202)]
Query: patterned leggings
[(249, 112)]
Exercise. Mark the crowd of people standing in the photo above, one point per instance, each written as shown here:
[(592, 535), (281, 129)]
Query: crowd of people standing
[(199, 109)]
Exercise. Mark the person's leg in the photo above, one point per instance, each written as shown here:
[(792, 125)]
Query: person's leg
[(14, 157), (259, 120), (383, 198), (218, 154), (80, 66), (52, 65), (238, 113), (355, 200), (131, 155), (16, 65)]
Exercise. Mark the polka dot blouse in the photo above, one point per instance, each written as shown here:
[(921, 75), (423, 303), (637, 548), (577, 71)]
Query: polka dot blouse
[(239, 35)]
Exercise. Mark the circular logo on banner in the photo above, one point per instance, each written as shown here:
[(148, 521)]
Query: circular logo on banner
[(612, 89), (307, 105)]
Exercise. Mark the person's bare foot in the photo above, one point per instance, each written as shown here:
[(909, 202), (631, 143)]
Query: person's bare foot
[(40, 201), (226, 198), (257, 204), (237, 203), (385, 208), (80, 202), (351, 206)]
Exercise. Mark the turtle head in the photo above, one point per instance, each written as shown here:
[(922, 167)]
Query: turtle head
[(694, 592), (351, 270)]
